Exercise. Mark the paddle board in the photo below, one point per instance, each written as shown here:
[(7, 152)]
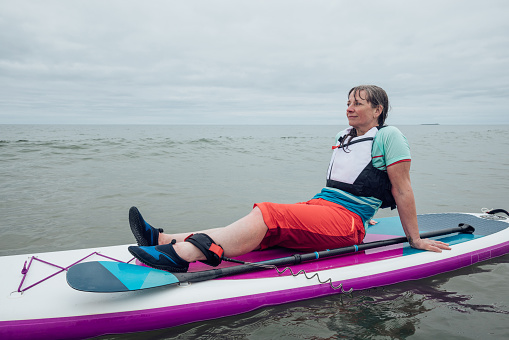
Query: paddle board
[(37, 302)]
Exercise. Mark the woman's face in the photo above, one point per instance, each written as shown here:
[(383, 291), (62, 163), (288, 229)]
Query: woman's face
[(361, 115)]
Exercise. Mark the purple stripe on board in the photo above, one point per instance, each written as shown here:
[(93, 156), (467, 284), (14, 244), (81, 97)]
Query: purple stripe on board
[(138, 321)]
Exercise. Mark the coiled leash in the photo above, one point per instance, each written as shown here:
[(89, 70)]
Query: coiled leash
[(302, 271)]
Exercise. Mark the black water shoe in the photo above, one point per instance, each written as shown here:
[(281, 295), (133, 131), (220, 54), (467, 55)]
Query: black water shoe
[(161, 257), (145, 234)]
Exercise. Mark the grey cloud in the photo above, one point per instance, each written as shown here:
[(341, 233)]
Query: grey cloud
[(257, 62)]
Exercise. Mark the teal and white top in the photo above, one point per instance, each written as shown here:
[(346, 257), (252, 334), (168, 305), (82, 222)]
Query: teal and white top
[(389, 147)]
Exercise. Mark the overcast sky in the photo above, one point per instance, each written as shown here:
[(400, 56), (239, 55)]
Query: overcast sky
[(251, 62)]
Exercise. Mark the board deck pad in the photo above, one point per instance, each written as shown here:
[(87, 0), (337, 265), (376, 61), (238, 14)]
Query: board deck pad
[(386, 228), (115, 277), (483, 225)]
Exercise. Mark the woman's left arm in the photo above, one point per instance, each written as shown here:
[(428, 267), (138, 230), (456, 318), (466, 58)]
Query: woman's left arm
[(399, 175)]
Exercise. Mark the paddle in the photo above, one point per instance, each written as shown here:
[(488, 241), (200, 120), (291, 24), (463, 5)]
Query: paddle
[(107, 276)]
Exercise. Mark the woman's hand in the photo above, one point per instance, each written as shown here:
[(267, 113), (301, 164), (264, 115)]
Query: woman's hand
[(427, 244)]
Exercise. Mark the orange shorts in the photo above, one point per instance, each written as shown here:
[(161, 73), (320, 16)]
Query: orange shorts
[(310, 226)]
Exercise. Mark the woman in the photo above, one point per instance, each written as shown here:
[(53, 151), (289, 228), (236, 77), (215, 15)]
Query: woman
[(369, 169)]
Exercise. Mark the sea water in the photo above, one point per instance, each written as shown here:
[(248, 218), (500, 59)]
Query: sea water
[(70, 186)]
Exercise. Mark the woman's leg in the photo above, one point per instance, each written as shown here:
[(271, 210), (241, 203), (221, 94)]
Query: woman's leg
[(236, 239), (167, 238)]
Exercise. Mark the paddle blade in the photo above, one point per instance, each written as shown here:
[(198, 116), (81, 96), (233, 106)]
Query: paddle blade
[(109, 277)]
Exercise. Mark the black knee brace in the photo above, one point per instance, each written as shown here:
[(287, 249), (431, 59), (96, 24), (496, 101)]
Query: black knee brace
[(212, 251)]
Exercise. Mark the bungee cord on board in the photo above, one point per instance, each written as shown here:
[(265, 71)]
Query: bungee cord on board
[(492, 214)]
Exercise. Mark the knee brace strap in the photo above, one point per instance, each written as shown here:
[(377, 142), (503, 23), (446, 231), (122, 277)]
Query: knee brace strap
[(212, 251)]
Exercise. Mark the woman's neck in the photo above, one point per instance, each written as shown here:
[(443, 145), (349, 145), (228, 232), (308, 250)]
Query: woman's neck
[(363, 131)]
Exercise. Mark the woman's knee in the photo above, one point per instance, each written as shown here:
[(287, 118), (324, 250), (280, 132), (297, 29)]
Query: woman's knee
[(256, 212)]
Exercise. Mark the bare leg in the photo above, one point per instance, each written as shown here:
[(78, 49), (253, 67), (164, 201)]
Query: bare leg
[(236, 239), (167, 238)]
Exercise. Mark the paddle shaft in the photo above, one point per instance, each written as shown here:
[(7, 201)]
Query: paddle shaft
[(298, 258)]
